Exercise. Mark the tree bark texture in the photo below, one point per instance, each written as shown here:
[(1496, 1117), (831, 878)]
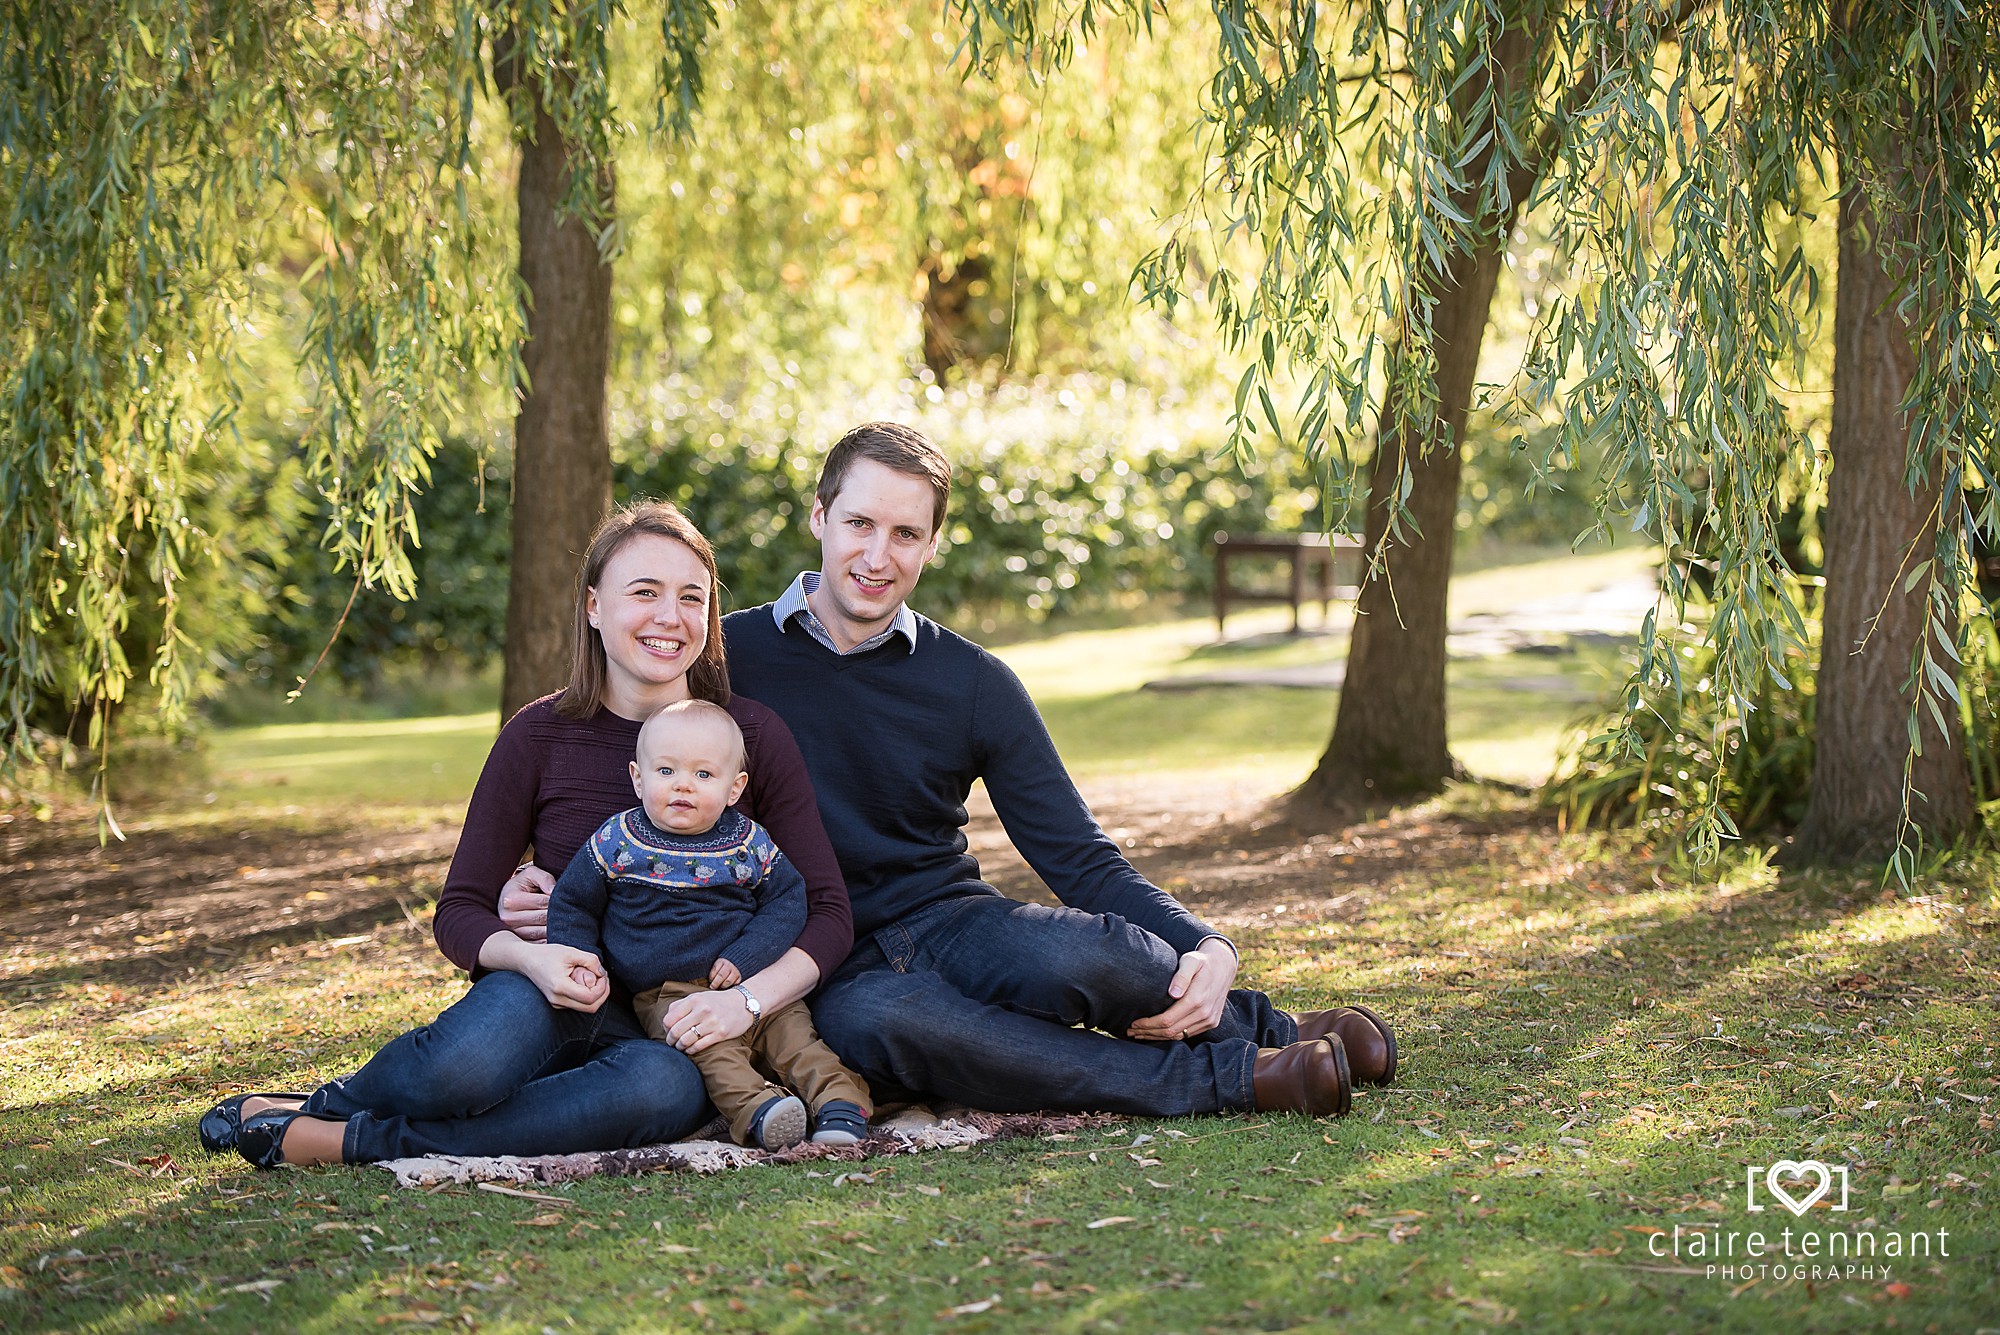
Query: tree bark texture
[(1876, 529), (562, 444), (1388, 738)]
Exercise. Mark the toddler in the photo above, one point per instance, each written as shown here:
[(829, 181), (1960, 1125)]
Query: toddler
[(682, 894)]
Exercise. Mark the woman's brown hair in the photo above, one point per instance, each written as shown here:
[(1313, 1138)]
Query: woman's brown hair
[(708, 676)]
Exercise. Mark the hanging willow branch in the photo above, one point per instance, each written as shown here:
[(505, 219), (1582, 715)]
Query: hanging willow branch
[(161, 159)]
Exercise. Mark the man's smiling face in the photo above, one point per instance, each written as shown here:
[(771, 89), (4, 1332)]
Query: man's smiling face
[(875, 536)]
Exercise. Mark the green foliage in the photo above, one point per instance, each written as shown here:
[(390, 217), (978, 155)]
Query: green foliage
[(789, 238), (1669, 153), (1071, 494), (1067, 494), (148, 151), (1644, 766), (456, 616)]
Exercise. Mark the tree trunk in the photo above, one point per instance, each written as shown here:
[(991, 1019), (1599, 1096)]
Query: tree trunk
[(1876, 527), (1389, 730), (562, 445), (1388, 738)]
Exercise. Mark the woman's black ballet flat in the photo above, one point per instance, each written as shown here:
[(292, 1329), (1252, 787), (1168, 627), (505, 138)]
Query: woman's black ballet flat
[(219, 1125), (261, 1137)]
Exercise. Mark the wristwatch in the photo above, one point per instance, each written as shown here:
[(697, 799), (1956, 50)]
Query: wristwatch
[(750, 1003)]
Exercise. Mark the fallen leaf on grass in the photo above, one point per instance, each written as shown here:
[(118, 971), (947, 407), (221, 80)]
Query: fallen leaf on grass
[(1897, 1290), (421, 1316), (929, 1190), (261, 1287), (524, 1195), (1493, 1313), (541, 1221), (967, 1309), (676, 1249), (1111, 1219)]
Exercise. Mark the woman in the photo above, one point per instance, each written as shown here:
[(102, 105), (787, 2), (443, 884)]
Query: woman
[(530, 1061)]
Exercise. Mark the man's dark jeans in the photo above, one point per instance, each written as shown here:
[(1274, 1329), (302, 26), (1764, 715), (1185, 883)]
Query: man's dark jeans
[(504, 1072), (977, 998)]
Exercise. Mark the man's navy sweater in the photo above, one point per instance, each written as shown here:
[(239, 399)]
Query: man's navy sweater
[(661, 907), (893, 739)]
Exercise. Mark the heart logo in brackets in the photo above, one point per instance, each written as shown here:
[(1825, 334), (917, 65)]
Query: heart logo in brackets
[(1797, 1172)]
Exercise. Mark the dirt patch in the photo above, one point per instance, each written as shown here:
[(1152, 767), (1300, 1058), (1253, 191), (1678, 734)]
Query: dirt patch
[(171, 902), (1231, 858)]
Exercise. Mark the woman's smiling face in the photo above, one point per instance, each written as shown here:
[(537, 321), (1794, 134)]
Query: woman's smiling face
[(650, 607)]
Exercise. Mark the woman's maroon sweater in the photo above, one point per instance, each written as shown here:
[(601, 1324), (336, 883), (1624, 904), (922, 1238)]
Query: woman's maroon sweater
[(550, 781)]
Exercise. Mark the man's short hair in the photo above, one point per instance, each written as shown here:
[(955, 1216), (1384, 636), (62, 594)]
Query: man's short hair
[(895, 446)]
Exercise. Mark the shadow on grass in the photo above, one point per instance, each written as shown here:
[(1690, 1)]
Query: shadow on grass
[(168, 903), (1592, 1051)]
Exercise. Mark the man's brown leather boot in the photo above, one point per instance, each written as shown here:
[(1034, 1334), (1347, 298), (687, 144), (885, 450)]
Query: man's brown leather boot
[(1309, 1077), (1370, 1042)]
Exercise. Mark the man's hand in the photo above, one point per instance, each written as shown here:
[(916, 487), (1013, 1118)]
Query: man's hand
[(524, 903), (705, 1019), (723, 974), (571, 979), (1200, 989)]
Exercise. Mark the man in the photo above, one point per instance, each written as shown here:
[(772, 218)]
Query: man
[(953, 989)]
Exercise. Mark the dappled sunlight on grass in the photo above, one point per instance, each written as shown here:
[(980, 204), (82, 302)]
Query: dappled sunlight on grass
[(1593, 1046)]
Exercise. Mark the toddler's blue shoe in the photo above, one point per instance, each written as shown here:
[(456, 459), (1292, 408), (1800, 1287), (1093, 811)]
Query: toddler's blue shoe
[(840, 1123)]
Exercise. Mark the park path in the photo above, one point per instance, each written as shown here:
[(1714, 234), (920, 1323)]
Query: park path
[(1609, 608)]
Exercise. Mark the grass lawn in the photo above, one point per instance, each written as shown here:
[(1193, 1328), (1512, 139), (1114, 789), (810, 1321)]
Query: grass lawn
[(1595, 1051)]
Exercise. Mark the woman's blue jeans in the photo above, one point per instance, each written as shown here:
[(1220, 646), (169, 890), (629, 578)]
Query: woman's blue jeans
[(504, 1072), (1012, 1007)]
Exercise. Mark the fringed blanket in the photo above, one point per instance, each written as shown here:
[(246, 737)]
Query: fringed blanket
[(909, 1132)]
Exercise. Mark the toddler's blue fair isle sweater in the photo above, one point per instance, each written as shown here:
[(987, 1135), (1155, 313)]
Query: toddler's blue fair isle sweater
[(657, 906)]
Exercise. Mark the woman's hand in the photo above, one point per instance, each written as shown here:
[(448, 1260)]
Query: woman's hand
[(571, 979), (704, 1019), (1200, 988), (524, 903)]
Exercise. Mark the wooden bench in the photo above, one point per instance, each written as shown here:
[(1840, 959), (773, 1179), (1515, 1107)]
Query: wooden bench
[(1307, 552)]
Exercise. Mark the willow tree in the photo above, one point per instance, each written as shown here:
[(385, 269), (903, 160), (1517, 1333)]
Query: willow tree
[(1376, 156), (1382, 156), (154, 155)]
